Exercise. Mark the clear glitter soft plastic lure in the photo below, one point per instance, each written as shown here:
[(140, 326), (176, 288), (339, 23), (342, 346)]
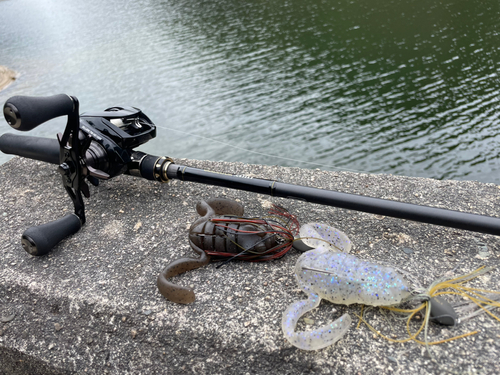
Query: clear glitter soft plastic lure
[(313, 235), (341, 278)]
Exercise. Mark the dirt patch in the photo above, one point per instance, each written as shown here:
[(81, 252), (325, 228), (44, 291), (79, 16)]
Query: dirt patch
[(7, 76)]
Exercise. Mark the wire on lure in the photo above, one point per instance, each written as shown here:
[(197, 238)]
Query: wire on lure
[(324, 273), (223, 233), (284, 227)]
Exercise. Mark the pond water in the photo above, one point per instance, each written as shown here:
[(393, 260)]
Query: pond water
[(408, 87)]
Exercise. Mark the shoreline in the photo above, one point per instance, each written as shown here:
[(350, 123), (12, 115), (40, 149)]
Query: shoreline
[(7, 76)]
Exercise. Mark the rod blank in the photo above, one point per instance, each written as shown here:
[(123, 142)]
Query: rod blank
[(408, 211)]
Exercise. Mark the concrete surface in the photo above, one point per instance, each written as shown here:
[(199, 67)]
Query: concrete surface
[(92, 305)]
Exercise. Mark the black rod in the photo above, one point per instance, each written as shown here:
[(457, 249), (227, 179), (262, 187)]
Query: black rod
[(424, 214)]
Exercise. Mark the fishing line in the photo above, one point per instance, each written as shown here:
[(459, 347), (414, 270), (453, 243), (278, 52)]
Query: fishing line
[(261, 153)]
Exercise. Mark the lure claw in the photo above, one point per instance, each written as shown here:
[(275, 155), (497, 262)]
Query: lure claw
[(177, 293), (318, 338)]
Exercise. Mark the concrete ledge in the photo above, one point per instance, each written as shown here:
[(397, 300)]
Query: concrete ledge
[(92, 305)]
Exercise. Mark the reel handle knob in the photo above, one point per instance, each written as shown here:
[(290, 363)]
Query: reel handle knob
[(27, 112), (39, 240)]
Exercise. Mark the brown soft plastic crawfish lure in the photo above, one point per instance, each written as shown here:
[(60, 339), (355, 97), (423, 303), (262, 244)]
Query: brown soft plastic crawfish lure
[(223, 233)]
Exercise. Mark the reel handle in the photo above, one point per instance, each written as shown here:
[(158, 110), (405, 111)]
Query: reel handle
[(27, 112), (41, 239), (37, 148)]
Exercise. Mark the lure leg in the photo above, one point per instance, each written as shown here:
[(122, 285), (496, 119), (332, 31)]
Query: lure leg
[(315, 339), (178, 293), (220, 206)]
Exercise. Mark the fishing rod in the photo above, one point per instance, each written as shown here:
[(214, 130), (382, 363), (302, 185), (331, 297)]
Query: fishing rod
[(99, 146)]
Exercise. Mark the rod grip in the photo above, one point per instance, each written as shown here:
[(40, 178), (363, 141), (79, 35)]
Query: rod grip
[(27, 112), (37, 148), (41, 239)]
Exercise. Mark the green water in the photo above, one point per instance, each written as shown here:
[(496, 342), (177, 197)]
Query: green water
[(403, 87)]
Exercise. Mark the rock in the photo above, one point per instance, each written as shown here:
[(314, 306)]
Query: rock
[(7, 76)]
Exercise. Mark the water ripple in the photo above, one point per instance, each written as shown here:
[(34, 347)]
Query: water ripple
[(406, 87)]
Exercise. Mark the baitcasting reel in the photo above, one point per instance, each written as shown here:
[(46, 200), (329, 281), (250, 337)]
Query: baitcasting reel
[(93, 147)]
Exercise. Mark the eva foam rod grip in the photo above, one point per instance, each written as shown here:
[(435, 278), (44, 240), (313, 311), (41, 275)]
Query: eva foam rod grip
[(27, 112), (41, 239), (43, 149)]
